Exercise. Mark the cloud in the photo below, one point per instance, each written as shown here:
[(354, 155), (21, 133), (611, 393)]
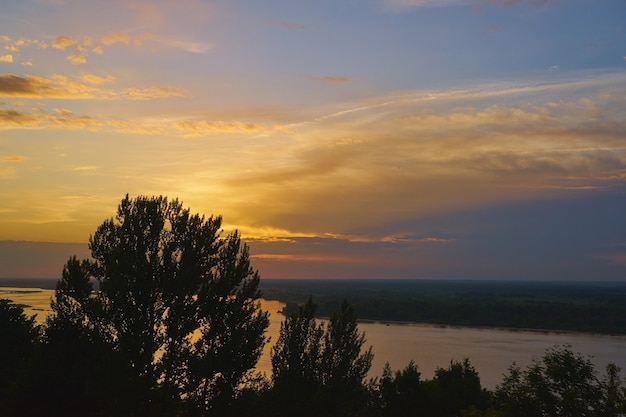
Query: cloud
[(427, 152), (116, 37), (400, 5), (94, 79), (152, 93), (138, 127), (61, 87), (59, 119), (65, 42), (171, 42), (534, 3), (66, 119), (85, 169), (77, 56), (331, 79), (32, 86), (14, 158), (290, 25), (307, 257), (78, 51), (6, 58), (192, 128), (404, 238), (15, 45), (14, 118)]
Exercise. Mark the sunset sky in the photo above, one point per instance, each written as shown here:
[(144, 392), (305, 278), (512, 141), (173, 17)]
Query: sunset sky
[(462, 139)]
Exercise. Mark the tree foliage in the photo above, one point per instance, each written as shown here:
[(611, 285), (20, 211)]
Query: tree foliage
[(296, 356), (402, 394), (561, 383), (457, 388), (320, 369), (177, 311), (18, 334)]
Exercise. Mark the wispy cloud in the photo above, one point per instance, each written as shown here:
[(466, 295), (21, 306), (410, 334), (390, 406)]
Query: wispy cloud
[(152, 93), (191, 128), (400, 5), (308, 257), (289, 25), (94, 79), (15, 46), (61, 87), (187, 45), (59, 119), (331, 79), (408, 4), (77, 55), (116, 37), (67, 119), (79, 48), (9, 117), (14, 158), (534, 3), (426, 152), (65, 42)]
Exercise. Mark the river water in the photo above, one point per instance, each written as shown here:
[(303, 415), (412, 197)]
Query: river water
[(490, 351)]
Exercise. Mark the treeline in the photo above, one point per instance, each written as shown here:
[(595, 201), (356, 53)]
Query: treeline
[(316, 370), (573, 306)]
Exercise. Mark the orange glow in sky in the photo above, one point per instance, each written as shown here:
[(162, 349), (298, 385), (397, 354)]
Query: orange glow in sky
[(382, 138)]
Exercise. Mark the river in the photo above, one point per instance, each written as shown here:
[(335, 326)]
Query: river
[(490, 351)]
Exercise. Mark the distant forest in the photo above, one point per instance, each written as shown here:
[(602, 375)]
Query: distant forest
[(591, 307), (588, 307)]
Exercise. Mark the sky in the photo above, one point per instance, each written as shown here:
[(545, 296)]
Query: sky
[(442, 139)]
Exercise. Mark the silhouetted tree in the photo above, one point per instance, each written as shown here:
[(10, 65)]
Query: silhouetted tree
[(614, 392), (296, 360), (74, 371), (18, 336), (455, 389), (177, 317), (344, 364), (402, 394), (317, 369), (561, 383)]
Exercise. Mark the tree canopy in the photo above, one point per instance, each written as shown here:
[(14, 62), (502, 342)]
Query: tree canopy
[(320, 369), (177, 304)]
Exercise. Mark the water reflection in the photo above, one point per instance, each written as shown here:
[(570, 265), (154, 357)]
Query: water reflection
[(491, 351)]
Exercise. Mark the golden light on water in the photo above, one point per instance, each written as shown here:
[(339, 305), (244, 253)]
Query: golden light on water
[(37, 302)]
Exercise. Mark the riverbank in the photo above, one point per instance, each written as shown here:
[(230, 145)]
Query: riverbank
[(585, 307), (576, 307)]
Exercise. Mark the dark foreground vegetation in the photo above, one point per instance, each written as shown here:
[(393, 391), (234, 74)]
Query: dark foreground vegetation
[(595, 307), (176, 329)]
